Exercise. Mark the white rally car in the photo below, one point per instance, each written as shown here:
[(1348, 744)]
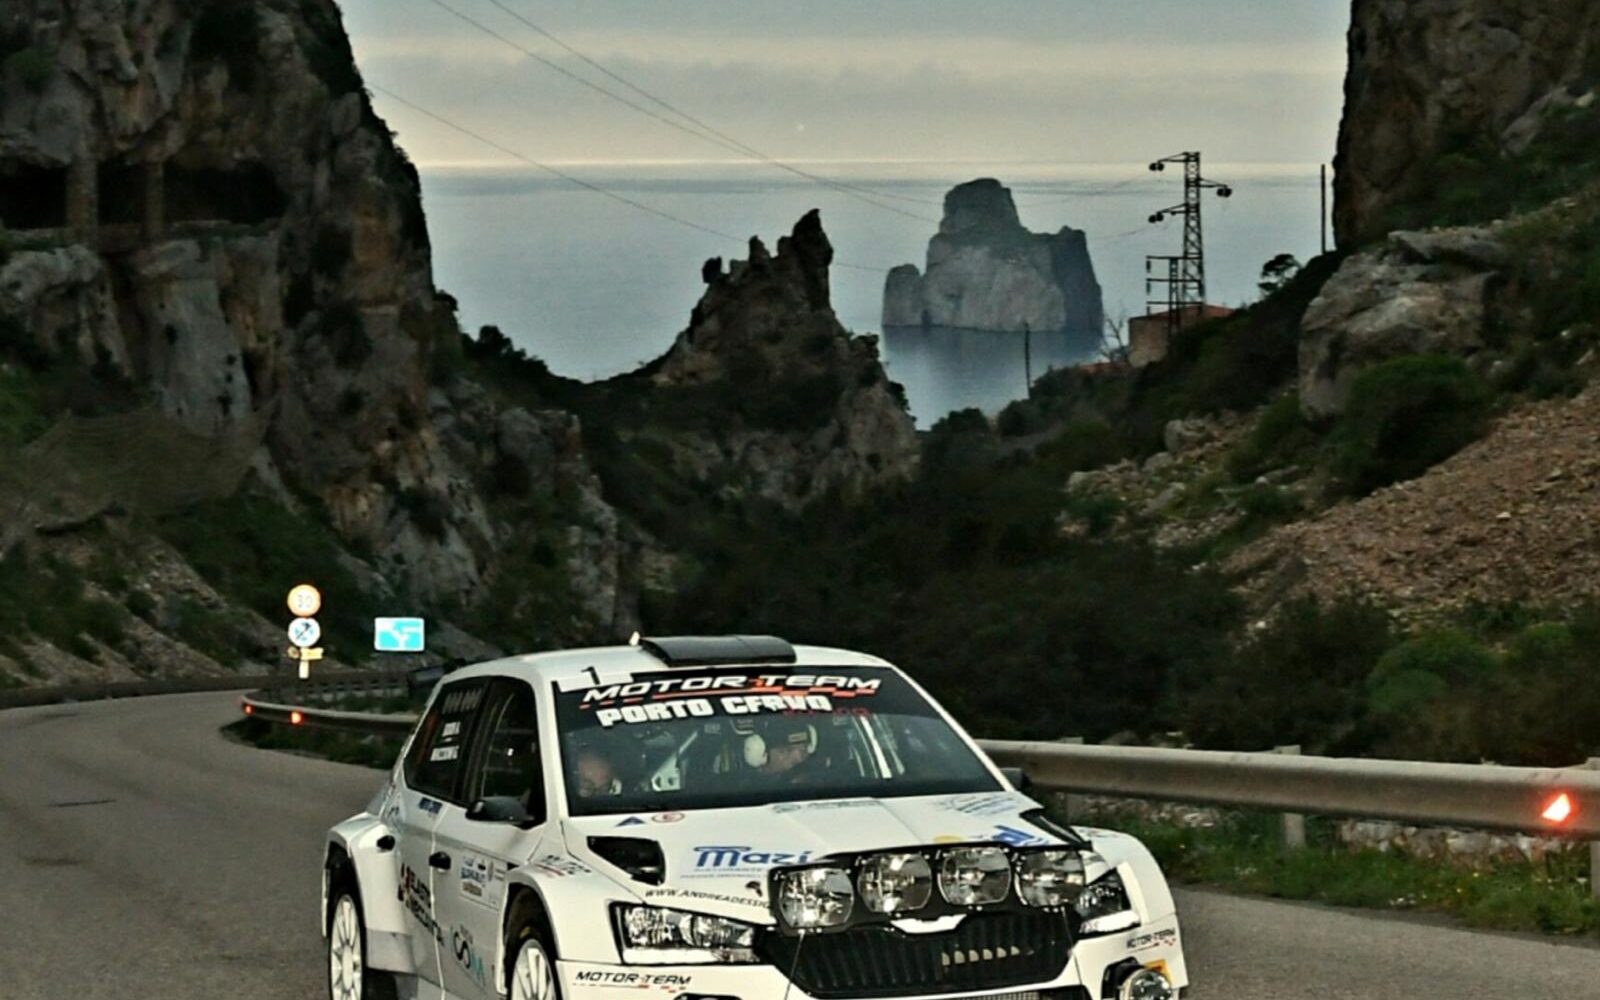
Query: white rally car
[(726, 818)]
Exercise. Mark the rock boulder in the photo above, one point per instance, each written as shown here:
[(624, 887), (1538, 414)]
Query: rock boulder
[(985, 271)]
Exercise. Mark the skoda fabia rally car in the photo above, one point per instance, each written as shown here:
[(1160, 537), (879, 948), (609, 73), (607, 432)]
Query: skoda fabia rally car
[(728, 818)]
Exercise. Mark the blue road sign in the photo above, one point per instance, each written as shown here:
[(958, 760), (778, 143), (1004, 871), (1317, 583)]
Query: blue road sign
[(398, 635)]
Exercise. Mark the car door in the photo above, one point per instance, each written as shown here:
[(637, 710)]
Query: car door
[(505, 764), (431, 780)]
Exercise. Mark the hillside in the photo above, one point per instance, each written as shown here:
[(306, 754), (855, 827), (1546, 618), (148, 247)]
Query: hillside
[(225, 368)]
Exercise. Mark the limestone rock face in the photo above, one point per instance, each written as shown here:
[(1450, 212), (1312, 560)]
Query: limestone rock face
[(62, 300), (1430, 77), (985, 271), (1417, 293), (220, 213), (828, 417)]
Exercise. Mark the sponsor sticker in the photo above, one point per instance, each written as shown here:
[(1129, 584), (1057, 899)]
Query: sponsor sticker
[(1155, 939), (982, 804), (481, 880), (790, 807), (669, 982), (695, 895), (719, 860), (1016, 838), (667, 817), (467, 954), (444, 753), (557, 866), (708, 696), (430, 806)]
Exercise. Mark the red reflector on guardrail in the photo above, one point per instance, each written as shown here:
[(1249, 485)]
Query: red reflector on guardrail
[(295, 718), (1559, 810)]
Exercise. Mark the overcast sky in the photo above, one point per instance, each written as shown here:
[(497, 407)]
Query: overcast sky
[(1097, 81)]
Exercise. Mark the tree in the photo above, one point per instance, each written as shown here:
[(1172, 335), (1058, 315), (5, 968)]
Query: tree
[(1277, 272), (1114, 341)]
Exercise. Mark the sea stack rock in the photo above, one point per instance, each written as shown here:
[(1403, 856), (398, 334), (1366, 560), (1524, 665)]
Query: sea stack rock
[(985, 271)]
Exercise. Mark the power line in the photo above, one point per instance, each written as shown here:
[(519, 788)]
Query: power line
[(746, 148), (729, 145), (580, 182), (624, 199)]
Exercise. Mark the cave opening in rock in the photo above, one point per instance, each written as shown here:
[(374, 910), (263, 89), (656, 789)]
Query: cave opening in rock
[(246, 193), (32, 197), (121, 192)]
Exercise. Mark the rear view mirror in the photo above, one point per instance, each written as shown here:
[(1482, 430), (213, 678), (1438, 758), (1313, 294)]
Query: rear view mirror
[(502, 809)]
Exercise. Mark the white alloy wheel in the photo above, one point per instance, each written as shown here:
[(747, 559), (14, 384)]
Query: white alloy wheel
[(532, 977), (345, 965)]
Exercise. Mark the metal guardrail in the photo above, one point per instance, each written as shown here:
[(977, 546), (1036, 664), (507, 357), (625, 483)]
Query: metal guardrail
[(347, 681), (257, 706), (1476, 796)]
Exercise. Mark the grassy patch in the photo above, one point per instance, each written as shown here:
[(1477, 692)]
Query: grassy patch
[(1244, 853), (253, 549), (344, 748), (49, 598), (1405, 416)]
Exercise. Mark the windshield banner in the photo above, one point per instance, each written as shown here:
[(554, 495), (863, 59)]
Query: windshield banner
[(710, 695)]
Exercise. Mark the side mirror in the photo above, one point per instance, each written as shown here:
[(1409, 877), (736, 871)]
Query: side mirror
[(502, 809), (1017, 777)]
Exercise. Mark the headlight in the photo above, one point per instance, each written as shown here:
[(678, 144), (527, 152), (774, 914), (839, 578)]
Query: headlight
[(1103, 906), (974, 876), (812, 898), (1049, 878), (895, 883), (654, 935)]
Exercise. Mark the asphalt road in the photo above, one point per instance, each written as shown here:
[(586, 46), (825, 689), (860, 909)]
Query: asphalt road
[(142, 855)]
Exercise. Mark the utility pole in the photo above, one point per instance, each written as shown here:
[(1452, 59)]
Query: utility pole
[(1324, 208), (1186, 272), (1027, 356)]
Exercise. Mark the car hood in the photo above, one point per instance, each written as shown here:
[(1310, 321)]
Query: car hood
[(717, 860)]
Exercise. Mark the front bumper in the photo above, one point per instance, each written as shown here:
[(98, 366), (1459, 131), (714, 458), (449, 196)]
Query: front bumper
[(1156, 944)]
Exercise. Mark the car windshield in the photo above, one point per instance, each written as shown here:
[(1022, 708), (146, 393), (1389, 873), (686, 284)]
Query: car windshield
[(709, 738)]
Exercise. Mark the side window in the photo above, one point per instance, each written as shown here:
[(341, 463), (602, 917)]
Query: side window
[(507, 763), (434, 764)]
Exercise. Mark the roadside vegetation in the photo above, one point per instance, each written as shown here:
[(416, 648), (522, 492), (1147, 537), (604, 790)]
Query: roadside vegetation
[(343, 748), (1244, 853)]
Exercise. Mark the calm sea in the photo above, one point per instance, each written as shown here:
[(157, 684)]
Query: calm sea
[(595, 287)]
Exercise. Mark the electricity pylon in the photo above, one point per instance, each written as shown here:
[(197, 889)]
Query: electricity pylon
[(1185, 275)]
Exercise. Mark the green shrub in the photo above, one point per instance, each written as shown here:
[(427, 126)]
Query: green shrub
[(1297, 678), (213, 633), (48, 597), (252, 549), (33, 66), (1279, 437), (1426, 667), (1403, 417)]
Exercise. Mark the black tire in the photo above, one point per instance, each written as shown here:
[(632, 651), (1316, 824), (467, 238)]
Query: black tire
[(375, 985)]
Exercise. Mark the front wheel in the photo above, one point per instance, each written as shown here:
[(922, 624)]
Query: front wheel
[(533, 975), (348, 975)]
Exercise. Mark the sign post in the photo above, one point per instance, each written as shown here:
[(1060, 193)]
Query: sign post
[(304, 630)]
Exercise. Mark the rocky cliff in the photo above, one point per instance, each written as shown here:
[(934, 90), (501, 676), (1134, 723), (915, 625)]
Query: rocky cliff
[(826, 416), (202, 198), (1431, 79), (985, 271), (213, 250)]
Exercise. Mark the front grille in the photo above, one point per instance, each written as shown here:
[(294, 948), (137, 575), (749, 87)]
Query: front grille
[(987, 951)]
